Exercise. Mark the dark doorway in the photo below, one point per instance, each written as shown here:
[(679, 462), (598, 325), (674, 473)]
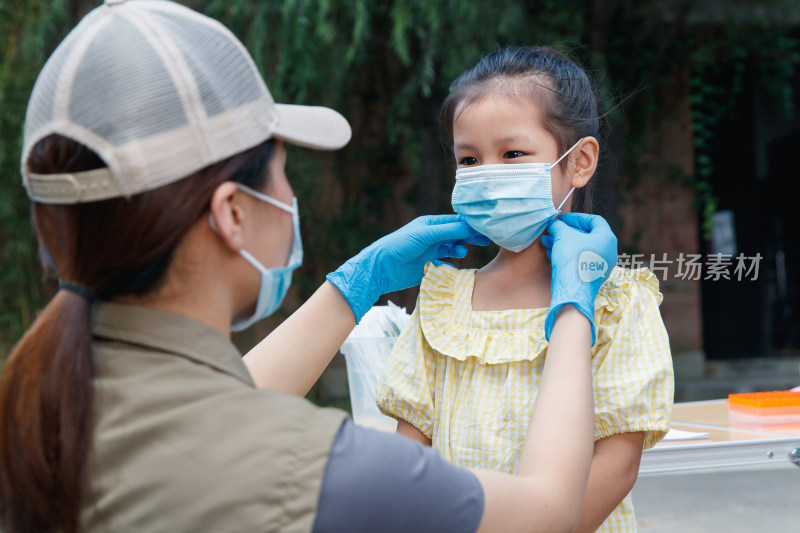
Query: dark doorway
[(755, 177)]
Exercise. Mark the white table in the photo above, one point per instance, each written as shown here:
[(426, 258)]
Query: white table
[(727, 446)]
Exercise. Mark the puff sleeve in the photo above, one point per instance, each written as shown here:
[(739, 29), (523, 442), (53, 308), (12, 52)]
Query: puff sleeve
[(406, 388), (632, 363)]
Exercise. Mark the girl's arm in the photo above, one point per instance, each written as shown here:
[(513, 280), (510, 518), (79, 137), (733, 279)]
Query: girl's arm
[(412, 433), (547, 491), (615, 466)]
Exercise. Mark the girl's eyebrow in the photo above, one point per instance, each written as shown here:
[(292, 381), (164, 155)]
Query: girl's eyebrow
[(463, 146), (512, 138)]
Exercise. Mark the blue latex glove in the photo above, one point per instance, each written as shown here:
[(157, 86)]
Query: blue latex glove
[(583, 250), (397, 261)]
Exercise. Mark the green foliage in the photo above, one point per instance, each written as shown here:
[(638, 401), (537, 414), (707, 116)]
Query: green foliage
[(29, 30), (386, 65)]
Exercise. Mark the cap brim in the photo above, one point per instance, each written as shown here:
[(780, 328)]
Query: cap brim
[(320, 128)]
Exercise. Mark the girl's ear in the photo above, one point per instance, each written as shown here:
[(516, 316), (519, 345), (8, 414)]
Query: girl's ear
[(227, 216), (584, 161)]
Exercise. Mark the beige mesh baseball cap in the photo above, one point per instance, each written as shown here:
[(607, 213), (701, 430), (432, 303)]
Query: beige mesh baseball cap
[(158, 91)]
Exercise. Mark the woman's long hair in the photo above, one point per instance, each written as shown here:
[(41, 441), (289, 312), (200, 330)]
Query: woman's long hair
[(113, 247)]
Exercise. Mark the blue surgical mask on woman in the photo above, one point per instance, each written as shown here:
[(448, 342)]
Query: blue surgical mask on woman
[(274, 281), (509, 204)]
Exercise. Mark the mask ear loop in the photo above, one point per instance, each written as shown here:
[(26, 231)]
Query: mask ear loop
[(268, 199), (567, 152), (565, 199), (557, 162)]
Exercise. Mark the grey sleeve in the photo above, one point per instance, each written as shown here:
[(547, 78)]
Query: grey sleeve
[(383, 482)]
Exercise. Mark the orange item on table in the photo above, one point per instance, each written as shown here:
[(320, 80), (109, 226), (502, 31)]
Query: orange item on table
[(766, 403)]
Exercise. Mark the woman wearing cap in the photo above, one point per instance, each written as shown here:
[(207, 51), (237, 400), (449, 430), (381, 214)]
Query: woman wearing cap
[(154, 157)]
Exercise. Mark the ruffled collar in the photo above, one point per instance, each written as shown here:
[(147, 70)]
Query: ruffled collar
[(452, 328)]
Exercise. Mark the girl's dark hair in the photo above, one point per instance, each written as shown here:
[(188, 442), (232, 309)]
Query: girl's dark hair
[(113, 247), (563, 89)]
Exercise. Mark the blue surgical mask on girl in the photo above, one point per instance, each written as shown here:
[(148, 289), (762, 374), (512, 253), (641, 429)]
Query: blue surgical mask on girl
[(274, 281), (509, 204)]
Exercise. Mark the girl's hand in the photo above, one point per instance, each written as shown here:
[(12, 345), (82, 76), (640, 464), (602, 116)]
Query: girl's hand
[(583, 250), (397, 261)]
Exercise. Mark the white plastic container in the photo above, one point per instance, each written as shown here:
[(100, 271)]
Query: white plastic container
[(365, 358), (365, 352)]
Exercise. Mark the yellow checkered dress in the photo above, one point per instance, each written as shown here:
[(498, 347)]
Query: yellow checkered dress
[(468, 379)]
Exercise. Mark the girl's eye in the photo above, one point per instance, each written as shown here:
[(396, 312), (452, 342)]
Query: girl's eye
[(513, 153), (468, 161)]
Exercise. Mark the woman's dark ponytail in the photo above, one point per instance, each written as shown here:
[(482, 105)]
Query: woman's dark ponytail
[(46, 395)]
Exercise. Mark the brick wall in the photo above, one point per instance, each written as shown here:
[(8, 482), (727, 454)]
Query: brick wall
[(657, 213)]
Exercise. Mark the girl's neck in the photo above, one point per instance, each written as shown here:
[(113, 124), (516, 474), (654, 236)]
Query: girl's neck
[(529, 264), (514, 281)]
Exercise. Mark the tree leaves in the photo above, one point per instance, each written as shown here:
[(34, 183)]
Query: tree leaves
[(386, 65)]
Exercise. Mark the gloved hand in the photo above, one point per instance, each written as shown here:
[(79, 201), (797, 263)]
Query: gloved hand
[(583, 250), (396, 261)]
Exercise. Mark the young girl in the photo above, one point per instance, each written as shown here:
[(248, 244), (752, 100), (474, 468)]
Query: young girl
[(463, 377)]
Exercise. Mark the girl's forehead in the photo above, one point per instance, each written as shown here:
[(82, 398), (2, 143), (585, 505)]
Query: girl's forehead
[(497, 105), (531, 88)]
